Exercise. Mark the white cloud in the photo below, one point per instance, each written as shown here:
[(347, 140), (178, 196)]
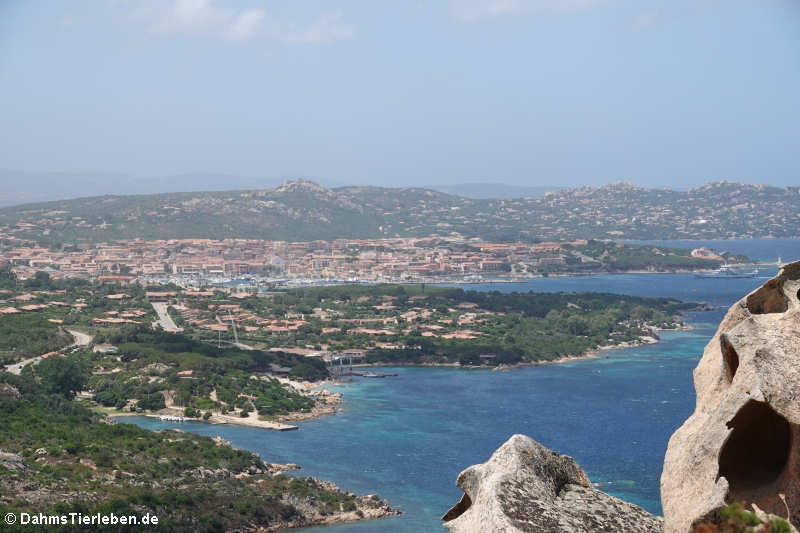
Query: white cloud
[(328, 28), (475, 10), (186, 17), (208, 19), (647, 19), (246, 24)]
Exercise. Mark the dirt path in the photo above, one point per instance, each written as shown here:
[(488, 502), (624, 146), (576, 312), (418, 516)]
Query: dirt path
[(16, 368), (81, 339)]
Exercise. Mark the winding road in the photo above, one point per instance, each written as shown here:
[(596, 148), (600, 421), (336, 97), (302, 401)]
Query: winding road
[(81, 339)]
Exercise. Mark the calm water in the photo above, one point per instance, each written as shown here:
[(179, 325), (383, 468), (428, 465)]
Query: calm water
[(408, 437), (766, 250)]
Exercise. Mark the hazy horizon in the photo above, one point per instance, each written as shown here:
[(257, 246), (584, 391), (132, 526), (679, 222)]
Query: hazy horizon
[(529, 93)]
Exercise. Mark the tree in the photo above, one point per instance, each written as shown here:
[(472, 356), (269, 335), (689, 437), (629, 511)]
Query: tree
[(7, 278), (41, 280), (310, 369), (152, 402), (62, 376)]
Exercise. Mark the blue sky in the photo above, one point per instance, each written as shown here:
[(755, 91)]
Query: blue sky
[(529, 92)]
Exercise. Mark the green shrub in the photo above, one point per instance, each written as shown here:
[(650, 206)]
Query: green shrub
[(735, 519)]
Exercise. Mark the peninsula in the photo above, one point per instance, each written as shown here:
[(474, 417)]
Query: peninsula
[(58, 457)]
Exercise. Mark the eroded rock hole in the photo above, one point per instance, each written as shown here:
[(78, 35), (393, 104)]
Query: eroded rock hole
[(730, 357), (458, 509), (768, 299), (755, 457)]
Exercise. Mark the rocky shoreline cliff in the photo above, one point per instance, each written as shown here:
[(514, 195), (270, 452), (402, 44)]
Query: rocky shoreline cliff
[(58, 457), (739, 450), (525, 487), (742, 443)]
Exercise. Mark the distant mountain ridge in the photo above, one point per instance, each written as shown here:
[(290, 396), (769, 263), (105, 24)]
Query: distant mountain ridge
[(502, 191), (304, 210), (19, 187)]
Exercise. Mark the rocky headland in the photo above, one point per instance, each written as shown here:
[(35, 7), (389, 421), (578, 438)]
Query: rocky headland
[(57, 456), (738, 451), (742, 443), (525, 487)]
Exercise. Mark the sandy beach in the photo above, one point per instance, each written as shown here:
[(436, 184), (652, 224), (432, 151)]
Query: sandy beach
[(327, 403)]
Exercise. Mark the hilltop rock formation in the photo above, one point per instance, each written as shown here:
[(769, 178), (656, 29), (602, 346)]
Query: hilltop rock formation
[(525, 487), (742, 443)]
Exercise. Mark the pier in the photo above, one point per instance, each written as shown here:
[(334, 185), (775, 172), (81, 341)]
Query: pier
[(169, 418), (341, 368), (372, 374)]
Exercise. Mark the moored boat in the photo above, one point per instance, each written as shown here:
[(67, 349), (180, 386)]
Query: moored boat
[(726, 272)]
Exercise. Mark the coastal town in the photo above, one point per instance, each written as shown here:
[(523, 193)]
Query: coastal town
[(298, 333), (186, 351), (357, 322), (468, 266), (194, 262)]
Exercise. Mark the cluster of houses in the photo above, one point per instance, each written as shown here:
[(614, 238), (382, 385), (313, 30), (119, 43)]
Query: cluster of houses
[(380, 326), (398, 258)]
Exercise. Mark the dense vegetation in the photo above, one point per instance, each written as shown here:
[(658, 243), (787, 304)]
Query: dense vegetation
[(8, 281), (27, 335), (60, 304), (142, 346), (142, 368), (622, 258), (562, 331), (57, 457), (502, 327), (221, 379)]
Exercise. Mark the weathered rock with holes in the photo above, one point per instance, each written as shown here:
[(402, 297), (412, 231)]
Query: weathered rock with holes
[(525, 487), (742, 443)]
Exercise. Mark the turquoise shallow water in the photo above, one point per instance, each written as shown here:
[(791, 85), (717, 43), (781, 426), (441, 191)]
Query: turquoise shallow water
[(408, 437)]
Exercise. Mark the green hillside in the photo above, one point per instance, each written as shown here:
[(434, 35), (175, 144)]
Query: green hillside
[(302, 211)]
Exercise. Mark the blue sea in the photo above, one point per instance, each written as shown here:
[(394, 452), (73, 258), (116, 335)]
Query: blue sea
[(407, 437)]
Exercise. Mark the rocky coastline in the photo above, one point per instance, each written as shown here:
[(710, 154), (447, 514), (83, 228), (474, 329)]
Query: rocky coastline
[(186, 480), (651, 338), (525, 487), (731, 468)]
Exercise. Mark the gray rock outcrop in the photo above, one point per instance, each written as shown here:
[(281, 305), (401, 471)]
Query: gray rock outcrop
[(8, 391), (525, 487), (12, 461), (742, 443)]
